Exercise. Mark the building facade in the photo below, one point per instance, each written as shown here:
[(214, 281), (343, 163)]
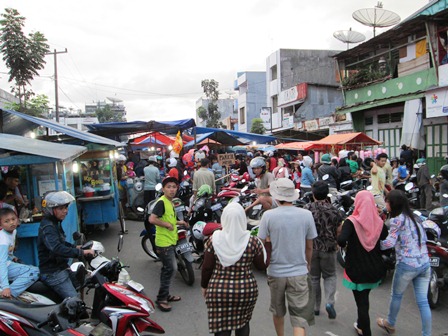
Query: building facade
[(301, 93), (113, 103), (251, 87), (395, 85), (227, 108)]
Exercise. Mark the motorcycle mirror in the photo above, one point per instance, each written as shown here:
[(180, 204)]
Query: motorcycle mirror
[(325, 177), (408, 186), (158, 186), (120, 243)]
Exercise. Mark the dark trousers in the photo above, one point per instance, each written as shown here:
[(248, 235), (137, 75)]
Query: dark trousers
[(148, 196), (169, 267), (243, 331), (362, 303), (426, 196)]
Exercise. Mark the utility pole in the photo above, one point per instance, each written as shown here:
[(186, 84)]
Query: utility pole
[(54, 53)]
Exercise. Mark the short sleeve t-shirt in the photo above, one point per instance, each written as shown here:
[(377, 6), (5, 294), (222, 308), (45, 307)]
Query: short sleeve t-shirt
[(402, 172), (264, 182)]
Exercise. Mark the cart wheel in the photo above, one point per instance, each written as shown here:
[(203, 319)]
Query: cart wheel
[(122, 220)]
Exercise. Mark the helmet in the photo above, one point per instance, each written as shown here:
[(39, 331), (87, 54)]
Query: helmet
[(258, 162), (204, 190), (152, 159), (395, 159), (54, 199), (432, 230), (326, 158), (343, 153), (246, 176), (438, 215), (121, 157), (250, 154), (197, 230), (444, 171), (172, 162), (421, 162)]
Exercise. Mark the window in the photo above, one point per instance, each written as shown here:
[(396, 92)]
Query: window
[(389, 118), (395, 117), (383, 118), (243, 115), (274, 72), (368, 121), (274, 100)]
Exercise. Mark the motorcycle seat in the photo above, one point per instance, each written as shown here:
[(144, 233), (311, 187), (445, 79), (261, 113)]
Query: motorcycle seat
[(36, 313)]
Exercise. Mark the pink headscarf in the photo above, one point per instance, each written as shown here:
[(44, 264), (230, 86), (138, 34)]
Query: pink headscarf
[(365, 219)]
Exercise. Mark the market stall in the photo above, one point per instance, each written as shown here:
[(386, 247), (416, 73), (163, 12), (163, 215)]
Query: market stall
[(43, 167)]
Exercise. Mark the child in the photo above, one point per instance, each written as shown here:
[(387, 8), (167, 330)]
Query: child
[(130, 169), (21, 276), (403, 173)]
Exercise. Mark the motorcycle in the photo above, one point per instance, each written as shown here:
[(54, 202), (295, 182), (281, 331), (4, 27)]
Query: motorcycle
[(136, 200)]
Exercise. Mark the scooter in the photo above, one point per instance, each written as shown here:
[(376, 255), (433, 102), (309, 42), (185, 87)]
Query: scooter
[(136, 200)]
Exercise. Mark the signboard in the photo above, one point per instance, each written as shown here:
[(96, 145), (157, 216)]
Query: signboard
[(296, 93), (48, 185), (265, 115), (226, 159), (311, 125), (437, 103), (324, 123), (288, 121)]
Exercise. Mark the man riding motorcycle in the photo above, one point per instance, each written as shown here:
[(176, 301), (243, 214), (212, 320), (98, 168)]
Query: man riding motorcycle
[(262, 181)]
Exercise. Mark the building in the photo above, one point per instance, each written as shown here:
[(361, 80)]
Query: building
[(7, 98), (302, 93), (225, 106), (118, 109), (395, 85)]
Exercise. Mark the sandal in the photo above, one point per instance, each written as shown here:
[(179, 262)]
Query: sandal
[(163, 306), (358, 331), (174, 298), (383, 324)]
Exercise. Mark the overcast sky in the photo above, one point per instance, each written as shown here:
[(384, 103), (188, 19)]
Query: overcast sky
[(154, 54)]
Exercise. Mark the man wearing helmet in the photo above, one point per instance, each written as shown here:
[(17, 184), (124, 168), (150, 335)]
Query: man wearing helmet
[(53, 251), (444, 186), (331, 173), (424, 183), (263, 180)]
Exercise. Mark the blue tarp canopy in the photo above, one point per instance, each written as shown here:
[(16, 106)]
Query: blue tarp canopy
[(219, 136), (19, 124), (116, 129), (243, 138)]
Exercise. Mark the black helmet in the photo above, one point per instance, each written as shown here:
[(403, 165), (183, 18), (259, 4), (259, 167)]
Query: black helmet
[(444, 171)]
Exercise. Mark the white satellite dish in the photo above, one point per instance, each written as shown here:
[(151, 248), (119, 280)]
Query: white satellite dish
[(376, 17), (114, 99), (349, 36)]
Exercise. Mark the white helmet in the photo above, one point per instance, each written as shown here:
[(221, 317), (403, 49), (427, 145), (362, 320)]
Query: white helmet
[(121, 157), (54, 199), (152, 159), (172, 162), (197, 230)]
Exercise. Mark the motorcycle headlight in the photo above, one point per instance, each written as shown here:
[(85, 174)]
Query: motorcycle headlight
[(140, 301)]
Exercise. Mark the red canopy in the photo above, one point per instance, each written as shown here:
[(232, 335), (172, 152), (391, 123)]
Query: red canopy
[(358, 138), (300, 145)]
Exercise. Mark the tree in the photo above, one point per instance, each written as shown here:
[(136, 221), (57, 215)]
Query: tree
[(105, 114), (257, 126), (37, 106), (23, 55), (211, 115)]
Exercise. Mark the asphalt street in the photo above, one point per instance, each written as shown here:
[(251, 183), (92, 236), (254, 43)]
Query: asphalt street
[(189, 316)]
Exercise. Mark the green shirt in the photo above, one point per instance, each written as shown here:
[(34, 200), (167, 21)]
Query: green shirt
[(353, 166), (165, 237)]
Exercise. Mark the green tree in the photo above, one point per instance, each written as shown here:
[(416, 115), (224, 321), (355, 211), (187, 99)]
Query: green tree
[(23, 55), (257, 126), (105, 114), (211, 115), (37, 106)]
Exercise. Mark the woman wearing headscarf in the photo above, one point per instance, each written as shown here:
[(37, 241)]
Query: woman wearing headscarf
[(281, 171), (307, 175), (364, 268), (228, 285)]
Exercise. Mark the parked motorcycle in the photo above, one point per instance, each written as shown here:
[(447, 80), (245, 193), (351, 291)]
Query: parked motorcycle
[(135, 196)]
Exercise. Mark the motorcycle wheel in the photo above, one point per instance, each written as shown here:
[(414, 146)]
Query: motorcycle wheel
[(185, 269), (149, 247), (433, 290), (340, 256)]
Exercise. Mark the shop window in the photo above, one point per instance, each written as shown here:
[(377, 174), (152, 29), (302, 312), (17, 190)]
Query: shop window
[(368, 121)]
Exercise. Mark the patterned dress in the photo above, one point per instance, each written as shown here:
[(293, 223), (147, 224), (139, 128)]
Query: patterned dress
[(232, 291)]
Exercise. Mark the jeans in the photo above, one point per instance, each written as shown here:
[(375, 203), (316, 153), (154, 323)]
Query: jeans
[(419, 276), (61, 282), (323, 264), (21, 277), (169, 267)]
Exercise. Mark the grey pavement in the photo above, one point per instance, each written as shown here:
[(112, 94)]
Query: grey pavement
[(189, 316)]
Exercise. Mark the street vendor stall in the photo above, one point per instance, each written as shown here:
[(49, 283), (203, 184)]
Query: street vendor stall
[(43, 167)]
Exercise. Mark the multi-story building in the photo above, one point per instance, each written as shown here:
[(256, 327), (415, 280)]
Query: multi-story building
[(7, 98), (302, 93), (251, 87), (114, 104), (227, 108), (395, 85)]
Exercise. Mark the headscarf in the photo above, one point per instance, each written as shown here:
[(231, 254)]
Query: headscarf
[(365, 219), (281, 162), (231, 242), (307, 161)]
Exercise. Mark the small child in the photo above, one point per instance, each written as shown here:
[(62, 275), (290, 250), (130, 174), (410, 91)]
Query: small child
[(21, 276), (130, 169), (403, 173)]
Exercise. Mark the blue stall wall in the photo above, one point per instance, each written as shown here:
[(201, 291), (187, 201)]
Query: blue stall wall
[(26, 247)]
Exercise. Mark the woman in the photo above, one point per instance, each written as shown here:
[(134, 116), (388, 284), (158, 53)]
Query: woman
[(409, 239), (364, 268), (307, 175), (281, 171), (296, 174), (228, 285)]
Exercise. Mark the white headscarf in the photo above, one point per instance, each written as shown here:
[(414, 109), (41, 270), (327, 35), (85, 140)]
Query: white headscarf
[(231, 242), (307, 161)]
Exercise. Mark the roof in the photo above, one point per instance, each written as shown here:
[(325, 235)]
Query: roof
[(347, 138), (300, 145), (20, 150), (241, 136), (219, 136), (19, 124)]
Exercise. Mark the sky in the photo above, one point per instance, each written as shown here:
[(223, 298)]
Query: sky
[(153, 55)]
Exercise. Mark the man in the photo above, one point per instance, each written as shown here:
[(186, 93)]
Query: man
[(323, 263), (13, 194), (288, 234), (263, 180), (408, 156), (152, 178), (121, 177), (203, 176), (378, 182), (164, 217), (424, 183), (329, 171)]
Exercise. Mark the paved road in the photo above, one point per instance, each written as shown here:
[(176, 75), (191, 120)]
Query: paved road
[(189, 316)]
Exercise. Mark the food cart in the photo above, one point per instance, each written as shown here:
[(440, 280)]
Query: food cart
[(97, 188), (44, 166)]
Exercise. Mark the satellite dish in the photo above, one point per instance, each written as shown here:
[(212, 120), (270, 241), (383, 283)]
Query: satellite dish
[(349, 36), (114, 99), (376, 17)]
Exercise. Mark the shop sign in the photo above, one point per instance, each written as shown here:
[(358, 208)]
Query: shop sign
[(311, 125), (296, 93), (226, 159), (288, 121), (265, 115), (437, 104), (325, 122)]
